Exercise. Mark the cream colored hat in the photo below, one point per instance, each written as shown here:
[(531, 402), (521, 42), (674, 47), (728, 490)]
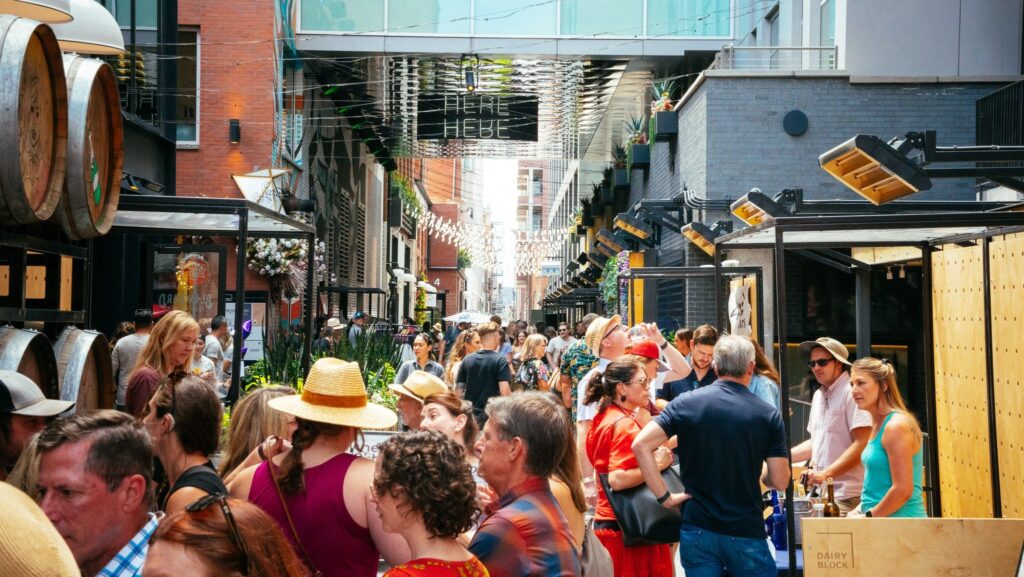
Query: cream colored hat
[(30, 546), (420, 385), (834, 348), (334, 393), (596, 331)]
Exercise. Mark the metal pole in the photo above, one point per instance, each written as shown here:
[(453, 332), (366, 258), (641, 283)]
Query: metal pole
[(935, 502), (312, 303), (719, 317), (780, 329), (863, 311), (990, 382), (240, 263)]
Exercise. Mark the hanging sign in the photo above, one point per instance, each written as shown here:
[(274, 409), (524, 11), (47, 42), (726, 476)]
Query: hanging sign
[(456, 116)]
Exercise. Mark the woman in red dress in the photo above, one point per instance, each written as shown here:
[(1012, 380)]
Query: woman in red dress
[(424, 492), (621, 390)]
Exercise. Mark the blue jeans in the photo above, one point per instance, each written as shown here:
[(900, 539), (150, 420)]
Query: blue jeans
[(705, 554)]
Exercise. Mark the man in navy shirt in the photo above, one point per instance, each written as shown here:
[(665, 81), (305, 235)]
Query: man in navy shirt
[(725, 434), (702, 375)]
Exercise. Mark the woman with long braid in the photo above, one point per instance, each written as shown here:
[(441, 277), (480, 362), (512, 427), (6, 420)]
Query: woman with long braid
[(319, 493)]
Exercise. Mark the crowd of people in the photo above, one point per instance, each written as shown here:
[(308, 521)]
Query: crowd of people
[(509, 438)]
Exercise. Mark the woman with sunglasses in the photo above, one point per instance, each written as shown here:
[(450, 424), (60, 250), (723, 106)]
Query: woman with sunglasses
[(424, 492), (217, 536), (169, 348), (183, 421), (620, 390)]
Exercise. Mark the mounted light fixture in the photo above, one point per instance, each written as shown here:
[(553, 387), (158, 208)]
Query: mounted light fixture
[(634, 226), (597, 258), (612, 241), (604, 249), (471, 74), (704, 236), (92, 31), (582, 259), (755, 207), (874, 169), (50, 11), (234, 131)]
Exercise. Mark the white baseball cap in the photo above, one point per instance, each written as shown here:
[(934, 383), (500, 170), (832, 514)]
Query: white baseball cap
[(19, 395)]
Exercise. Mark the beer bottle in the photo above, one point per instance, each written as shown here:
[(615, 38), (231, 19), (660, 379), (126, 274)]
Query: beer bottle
[(831, 507)]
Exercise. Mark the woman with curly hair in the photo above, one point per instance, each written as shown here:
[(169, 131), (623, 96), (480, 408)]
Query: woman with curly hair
[(168, 350), (220, 536), (425, 493), (466, 343)]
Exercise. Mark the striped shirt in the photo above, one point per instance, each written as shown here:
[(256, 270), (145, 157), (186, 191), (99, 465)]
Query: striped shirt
[(129, 560), (526, 535)]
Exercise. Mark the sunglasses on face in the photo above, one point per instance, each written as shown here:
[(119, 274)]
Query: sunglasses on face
[(819, 362), (222, 501)]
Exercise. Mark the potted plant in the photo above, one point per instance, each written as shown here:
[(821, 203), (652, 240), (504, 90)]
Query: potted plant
[(607, 192), (664, 123), (586, 210), (637, 152)]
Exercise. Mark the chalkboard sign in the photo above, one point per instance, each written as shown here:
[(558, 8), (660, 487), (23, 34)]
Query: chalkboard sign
[(456, 116)]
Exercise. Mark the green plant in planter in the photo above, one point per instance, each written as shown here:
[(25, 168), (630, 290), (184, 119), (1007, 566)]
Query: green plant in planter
[(619, 156), (463, 260), (662, 92), (608, 174), (406, 191), (637, 128)]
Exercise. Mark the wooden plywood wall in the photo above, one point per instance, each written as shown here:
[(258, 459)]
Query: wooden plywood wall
[(961, 415), (1006, 279)]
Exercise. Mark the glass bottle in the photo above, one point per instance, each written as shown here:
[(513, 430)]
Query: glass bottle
[(831, 507), (778, 520)]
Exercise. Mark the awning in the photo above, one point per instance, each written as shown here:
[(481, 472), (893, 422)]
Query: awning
[(204, 217), (426, 286)]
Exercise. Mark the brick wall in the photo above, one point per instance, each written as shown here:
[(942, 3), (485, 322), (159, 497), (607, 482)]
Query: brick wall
[(236, 81)]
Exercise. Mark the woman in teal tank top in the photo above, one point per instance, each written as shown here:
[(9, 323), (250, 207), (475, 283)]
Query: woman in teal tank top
[(893, 457)]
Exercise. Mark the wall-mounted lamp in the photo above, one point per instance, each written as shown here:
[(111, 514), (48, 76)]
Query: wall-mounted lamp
[(903, 271), (874, 169), (613, 241), (704, 236), (604, 249), (470, 81), (755, 207), (234, 131), (633, 226), (888, 273), (597, 258)]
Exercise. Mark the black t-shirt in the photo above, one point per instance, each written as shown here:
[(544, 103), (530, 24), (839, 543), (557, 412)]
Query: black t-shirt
[(479, 375), (202, 477), (725, 433), (673, 389)]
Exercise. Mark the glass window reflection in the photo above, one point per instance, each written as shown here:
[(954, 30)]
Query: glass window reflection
[(429, 16)]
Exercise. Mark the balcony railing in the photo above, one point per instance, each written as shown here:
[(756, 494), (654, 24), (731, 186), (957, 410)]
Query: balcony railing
[(761, 58), (1000, 117)]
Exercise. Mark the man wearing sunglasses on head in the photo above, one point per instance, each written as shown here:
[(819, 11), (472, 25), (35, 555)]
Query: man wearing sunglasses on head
[(839, 430)]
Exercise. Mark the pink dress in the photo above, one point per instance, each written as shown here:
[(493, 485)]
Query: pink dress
[(337, 545)]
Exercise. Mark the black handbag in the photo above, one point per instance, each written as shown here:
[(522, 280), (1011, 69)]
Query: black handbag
[(642, 519)]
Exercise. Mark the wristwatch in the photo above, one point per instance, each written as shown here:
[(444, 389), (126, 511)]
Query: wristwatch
[(664, 345)]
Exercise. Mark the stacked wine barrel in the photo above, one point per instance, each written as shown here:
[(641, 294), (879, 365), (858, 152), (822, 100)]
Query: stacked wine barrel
[(60, 121)]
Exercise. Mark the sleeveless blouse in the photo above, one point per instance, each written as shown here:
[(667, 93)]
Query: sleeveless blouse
[(336, 544), (878, 477)]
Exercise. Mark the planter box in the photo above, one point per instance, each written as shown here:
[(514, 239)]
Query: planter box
[(596, 210), (665, 125), (395, 210), (588, 220), (607, 194), (639, 156), (621, 178)]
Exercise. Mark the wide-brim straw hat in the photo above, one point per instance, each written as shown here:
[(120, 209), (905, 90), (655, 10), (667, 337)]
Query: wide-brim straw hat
[(334, 393), (420, 385), (30, 546), (596, 331), (834, 348)]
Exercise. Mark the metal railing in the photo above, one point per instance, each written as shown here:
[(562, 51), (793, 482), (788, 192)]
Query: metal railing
[(1000, 117), (758, 58)]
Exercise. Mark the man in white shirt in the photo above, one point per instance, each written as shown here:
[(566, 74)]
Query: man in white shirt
[(126, 353), (213, 350), (839, 430), (557, 345)]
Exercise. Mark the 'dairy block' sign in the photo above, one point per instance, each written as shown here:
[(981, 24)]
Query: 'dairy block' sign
[(455, 116)]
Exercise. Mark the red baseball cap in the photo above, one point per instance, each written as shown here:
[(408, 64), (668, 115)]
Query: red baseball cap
[(651, 351)]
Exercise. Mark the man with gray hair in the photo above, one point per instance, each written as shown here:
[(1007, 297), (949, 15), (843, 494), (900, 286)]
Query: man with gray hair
[(725, 434), (95, 470), (523, 532)]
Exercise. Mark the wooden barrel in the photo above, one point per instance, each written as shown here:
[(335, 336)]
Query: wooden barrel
[(29, 353), (33, 121), (95, 153), (84, 370)]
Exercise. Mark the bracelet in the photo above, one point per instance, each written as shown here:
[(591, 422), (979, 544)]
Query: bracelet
[(664, 497), (664, 345)]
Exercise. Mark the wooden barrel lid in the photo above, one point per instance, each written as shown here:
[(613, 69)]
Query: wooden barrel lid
[(29, 353), (84, 369)]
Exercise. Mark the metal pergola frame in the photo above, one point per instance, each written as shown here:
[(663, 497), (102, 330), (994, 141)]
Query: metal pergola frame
[(224, 217), (950, 227), (716, 274)]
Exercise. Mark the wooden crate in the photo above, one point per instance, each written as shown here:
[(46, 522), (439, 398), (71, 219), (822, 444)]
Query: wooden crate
[(911, 547)]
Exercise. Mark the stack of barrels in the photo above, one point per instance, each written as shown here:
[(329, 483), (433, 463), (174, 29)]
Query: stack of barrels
[(60, 167)]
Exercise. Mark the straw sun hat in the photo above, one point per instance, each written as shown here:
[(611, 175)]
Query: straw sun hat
[(334, 393), (420, 385), (596, 332), (30, 546)]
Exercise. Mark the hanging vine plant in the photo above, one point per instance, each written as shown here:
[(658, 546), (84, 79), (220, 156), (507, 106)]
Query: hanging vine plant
[(609, 284)]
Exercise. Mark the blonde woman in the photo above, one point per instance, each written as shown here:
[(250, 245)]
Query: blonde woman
[(254, 423), (466, 343), (893, 466), (168, 350), (533, 373)]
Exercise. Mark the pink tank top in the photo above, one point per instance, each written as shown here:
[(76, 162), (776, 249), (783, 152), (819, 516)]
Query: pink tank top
[(337, 545)]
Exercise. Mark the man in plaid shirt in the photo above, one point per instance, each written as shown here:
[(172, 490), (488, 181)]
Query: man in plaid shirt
[(523, 532), (94, 485)]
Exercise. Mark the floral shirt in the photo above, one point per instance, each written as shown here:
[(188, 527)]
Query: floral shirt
[(437, 568), (530, 372), (577, 360)]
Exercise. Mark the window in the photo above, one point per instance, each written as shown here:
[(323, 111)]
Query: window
[(535, 218), (536, 182), (773, 37), (186, 101), (828, 32)]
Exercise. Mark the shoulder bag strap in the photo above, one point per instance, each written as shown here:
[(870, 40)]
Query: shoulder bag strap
[(291, 524)]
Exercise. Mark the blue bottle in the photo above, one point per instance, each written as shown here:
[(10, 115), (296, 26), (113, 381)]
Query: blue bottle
[(778, 524)]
